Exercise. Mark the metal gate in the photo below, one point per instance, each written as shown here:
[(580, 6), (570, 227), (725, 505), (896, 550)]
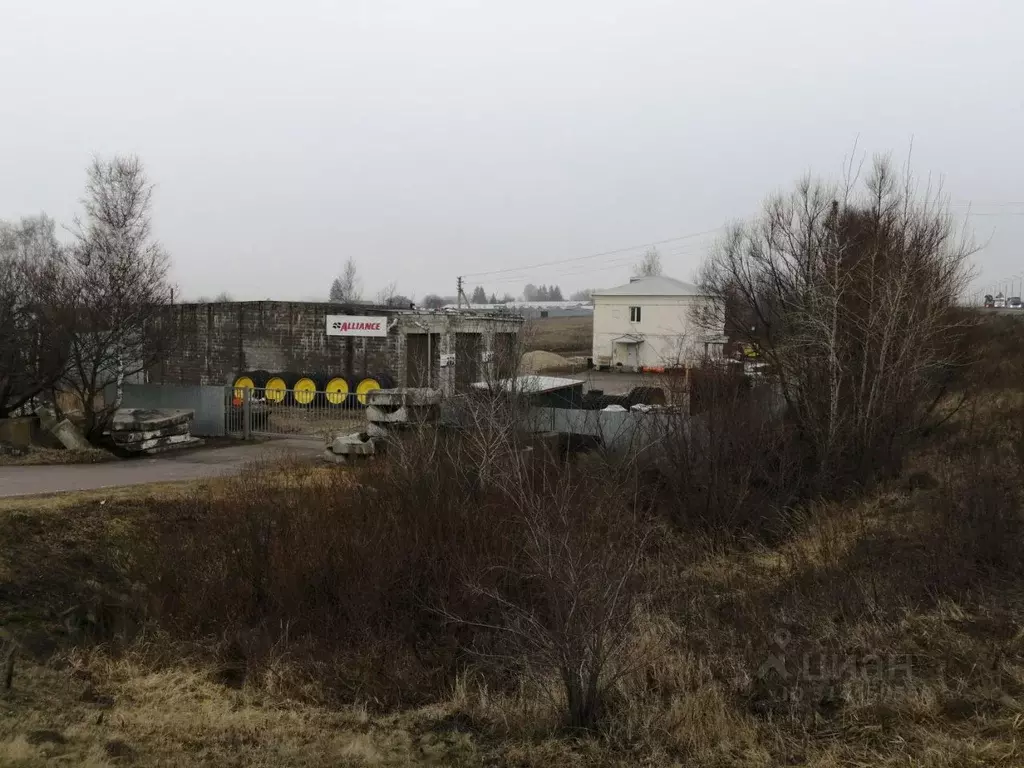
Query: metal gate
[(308, 413)]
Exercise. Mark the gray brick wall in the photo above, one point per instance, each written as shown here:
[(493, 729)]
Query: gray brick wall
[(214, 342)]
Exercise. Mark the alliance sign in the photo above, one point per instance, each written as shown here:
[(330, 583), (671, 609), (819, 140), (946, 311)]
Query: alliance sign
[(354, 325)]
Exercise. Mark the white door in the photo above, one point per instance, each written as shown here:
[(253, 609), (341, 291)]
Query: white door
[(632, 356), (625, 355)]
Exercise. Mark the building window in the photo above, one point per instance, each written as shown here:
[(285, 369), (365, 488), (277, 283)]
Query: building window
[(634, 314)]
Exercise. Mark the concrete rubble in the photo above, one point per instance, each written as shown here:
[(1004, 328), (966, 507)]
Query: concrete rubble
[(387, 411), (403, 407), (65, 431), (150, 431)]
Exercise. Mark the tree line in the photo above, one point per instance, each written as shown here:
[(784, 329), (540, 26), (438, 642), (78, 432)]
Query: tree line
[(78, 317)]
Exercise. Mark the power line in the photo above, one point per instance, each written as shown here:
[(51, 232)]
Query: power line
[(526, 277), (596, 255), (990, 204), (570, 269)]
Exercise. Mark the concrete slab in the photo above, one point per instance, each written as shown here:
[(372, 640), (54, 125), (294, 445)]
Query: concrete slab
[(70, 436), (123, 438), (353, 445), (170, 442), (142, 419), (188, 442)]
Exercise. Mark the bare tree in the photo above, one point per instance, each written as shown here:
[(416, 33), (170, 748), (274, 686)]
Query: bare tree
[(569, 606), (346, 288), (586, 294), (33, 328), (649, 265), (564, 605), (387, 294), (119, 288), (849, 298), (433, 301)]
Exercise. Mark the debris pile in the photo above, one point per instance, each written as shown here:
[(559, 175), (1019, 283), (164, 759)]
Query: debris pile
[(387, 411), (149, 431)]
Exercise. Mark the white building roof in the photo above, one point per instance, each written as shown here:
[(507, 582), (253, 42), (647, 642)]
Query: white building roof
[(658, 285), (509, 305)]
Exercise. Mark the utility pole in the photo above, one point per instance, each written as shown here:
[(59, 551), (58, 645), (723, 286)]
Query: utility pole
[(458, 293)]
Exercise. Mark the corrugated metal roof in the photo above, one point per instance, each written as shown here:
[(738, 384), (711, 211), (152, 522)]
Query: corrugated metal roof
[(659, 285), (530, 384)]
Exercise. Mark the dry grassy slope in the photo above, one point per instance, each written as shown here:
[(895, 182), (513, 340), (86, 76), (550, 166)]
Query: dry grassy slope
[(567, 336), (963, 705)]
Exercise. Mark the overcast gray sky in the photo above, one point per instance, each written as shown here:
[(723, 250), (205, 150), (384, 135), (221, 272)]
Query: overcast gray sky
[(432, 138)]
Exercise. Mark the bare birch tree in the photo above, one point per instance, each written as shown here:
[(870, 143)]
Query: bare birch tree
[(848, 292), (346, 288), (649, 265), (120, 287)]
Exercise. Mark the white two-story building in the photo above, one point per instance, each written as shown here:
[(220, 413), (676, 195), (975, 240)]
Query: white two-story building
[(654, 323)]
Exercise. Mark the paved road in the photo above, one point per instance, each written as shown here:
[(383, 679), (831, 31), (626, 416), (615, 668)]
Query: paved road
[(193, 465)]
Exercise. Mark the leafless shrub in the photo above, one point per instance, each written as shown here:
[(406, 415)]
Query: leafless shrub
[(729, 465), (567, 602), (849, 299)]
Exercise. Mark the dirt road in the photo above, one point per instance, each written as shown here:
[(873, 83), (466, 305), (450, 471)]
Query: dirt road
[(200, 463)]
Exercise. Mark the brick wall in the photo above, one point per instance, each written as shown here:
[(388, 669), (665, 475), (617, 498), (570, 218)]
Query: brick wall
[(214, 342)]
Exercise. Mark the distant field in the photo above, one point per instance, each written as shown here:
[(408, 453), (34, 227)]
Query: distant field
[(567, 336)]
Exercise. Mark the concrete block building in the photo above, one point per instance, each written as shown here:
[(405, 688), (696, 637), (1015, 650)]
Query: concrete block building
[(213, 343)]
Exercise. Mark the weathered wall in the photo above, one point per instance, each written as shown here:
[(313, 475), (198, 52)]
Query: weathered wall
[(23, 431), (214, 342), (669, 335)]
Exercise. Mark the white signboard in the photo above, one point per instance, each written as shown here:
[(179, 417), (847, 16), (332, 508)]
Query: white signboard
[(354, 325), (447, 360)]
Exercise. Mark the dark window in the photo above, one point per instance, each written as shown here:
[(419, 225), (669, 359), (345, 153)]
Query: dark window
[(634, 314)]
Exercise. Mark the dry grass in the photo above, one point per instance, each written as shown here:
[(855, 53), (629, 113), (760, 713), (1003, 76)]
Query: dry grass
[(835, 586), (566, 336), (94, 710), (51, 456)]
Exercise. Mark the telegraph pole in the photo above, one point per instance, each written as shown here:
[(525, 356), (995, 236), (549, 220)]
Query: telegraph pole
[(458, 294)]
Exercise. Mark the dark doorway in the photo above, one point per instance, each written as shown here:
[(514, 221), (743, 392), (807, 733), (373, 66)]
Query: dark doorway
[(467, 359), (417, 373), (505, 358)]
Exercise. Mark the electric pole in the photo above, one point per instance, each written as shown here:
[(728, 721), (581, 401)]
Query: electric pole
[(458, 293)]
